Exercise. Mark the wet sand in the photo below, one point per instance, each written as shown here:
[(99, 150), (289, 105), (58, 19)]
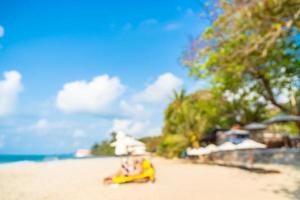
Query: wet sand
[(82, 180)]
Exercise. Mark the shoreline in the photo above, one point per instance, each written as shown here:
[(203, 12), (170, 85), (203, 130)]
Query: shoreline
[(44, 158)]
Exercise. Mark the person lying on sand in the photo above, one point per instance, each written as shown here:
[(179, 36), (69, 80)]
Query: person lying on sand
[(137, 167), (132, 170), (124, 170)]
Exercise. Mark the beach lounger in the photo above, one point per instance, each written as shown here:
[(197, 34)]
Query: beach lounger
[(148, 174)]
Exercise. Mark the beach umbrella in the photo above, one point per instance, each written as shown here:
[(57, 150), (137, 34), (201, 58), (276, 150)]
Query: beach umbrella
[(211, 148), (122, 138), (202, 151), (133, 142), (237, 132), (191, 152), (227, 146), (188, 151), (196, 152), (255, 126), (283, 118), (125, 144), (250, 144)]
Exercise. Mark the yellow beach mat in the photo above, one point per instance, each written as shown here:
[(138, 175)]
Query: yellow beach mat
[(148, 173)]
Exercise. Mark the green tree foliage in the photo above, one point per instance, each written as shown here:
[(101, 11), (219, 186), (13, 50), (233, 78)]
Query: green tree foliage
[(151, 143), (252, 51), (172, 145), (287, 128), (104, 148), (187, 118), (244, 108)]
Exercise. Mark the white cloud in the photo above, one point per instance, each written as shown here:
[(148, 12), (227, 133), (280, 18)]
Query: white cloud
[(135, 127), (9, 90), (44, 126), (1, 31), (129, 126), (161, 89), (172, 26), (132, 109), (89, 97)]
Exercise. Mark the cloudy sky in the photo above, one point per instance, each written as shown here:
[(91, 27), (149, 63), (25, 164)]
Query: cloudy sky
[(70, 73)]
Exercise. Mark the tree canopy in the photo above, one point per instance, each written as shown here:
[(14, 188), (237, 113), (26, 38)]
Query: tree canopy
[(251, 51), (187, 118)]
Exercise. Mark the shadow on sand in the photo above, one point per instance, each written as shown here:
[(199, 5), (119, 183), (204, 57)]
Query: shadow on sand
[(257, 170), (252, 169), (292, 193)]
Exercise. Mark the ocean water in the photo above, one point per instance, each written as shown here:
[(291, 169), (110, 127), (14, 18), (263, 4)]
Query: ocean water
[(33, 158)]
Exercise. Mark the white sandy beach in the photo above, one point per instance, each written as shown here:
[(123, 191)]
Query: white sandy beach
[(82, 180)]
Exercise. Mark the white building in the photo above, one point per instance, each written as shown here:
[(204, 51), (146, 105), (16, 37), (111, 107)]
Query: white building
[(80, 153), (125, 145)]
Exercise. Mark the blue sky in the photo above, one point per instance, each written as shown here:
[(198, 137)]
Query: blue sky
[(72, 71)]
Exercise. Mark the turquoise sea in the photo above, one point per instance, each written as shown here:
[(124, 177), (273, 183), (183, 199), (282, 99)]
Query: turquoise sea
[(10, 158)]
